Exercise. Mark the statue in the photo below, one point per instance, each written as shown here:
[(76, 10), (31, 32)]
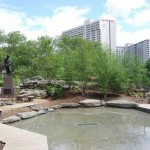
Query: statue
[(7, 64)]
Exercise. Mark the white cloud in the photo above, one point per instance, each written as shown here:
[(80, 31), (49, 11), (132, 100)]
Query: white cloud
[(124, 37), (107, 16), (10, 19), (63, 18), (123, 8), (130, 14), (140, 18)]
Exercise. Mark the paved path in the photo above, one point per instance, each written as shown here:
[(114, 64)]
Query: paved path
[(18, 139), (16, 106), (144, 107)]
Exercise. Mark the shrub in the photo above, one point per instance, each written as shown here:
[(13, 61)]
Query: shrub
[(58, 91), (1, 83), (55, 92), (49, 90)]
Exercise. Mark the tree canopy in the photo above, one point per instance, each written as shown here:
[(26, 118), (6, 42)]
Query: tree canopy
[(71, 59)]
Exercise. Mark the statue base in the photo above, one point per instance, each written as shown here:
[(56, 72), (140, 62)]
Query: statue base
[(8, 91)]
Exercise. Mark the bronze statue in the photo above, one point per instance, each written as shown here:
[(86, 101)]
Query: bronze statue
[(7, 64)]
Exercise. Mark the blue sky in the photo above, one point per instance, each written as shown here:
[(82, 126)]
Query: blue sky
[(48, 17)]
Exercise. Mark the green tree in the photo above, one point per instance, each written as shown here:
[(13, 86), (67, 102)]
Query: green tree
[(47, 58), (13, 40)]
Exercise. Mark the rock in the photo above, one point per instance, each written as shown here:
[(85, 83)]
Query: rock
[(26, 115), (36, 108), (70, 105), (9, 103), (50, 110), (11, 119), (1, 111), (53, 82), (147, 99), (40, 112), (33, 92), (121, 103), (56, 106), (91, 103), (45, 108), (42, 83), (23, 92), (37, 78), (1, 104)]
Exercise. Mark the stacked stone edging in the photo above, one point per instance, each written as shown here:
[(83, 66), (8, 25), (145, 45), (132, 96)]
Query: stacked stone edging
[(121, 103), (39, 110), (26, 115)]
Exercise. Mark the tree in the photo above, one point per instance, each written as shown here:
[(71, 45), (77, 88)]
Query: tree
[(134, 71), (13, 40), (47, 58), (65, 50)]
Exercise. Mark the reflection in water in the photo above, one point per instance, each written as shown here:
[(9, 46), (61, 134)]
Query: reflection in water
[(92, 129)]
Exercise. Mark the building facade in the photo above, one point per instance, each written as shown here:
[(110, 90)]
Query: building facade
[(140, 50), (103, 31), (108, 33)]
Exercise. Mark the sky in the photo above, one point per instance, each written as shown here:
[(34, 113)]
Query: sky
[(35, 18)]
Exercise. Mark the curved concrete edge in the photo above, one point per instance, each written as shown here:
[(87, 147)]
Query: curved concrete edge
[(143, 107), (18, 139)]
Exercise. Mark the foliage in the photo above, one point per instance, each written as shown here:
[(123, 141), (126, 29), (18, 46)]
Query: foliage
[(1, 83), (49, 90), (58, 91), (55, 92), (72, 59)]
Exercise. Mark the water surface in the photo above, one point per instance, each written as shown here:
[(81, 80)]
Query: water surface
[(92, 129)]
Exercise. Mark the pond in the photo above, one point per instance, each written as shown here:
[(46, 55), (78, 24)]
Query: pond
[(92, 129)]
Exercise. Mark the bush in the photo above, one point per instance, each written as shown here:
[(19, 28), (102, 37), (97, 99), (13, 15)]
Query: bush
[(55, 92), (58, 92), (1, 83), (49, 90)]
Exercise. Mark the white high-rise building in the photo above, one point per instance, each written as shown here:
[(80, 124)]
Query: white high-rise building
[(141, 50), (108, 33), (103, 31), (121, 50)]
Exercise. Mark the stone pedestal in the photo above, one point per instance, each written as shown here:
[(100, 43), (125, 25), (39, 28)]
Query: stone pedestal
[(8, 91)]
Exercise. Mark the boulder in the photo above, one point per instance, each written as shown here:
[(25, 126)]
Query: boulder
[(9, 103), (36, 93), (36, 108), (11, 119), (91, 103), (42, 83), (26, 115), (2, 104), (147, 99), (37, 78), (40, 112), (70, 105), (121, 103), (50, 110), (1, 111), (56, 106)]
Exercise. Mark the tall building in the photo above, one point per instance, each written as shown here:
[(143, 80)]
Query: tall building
[(121, 50), (141, 50), (103, 31), (108, 33)]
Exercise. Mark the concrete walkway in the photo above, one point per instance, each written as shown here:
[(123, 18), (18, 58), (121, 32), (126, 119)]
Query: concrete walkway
[(144, 107), (18, 139), (16, 106)]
